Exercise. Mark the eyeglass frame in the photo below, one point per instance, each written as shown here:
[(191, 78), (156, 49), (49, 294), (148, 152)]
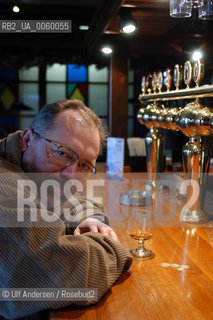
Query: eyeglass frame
[(93, 168)]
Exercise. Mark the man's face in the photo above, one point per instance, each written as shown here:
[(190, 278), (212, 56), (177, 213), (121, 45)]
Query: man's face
[(70, 131)]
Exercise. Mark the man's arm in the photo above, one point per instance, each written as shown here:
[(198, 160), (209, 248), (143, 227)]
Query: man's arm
[(86, 216), (43, 256), (47, 258)]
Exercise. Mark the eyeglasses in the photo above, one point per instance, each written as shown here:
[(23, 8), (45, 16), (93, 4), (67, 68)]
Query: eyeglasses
[(65, 157)]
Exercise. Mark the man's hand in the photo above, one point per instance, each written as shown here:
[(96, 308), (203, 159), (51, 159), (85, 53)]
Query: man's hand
[(94, 225)]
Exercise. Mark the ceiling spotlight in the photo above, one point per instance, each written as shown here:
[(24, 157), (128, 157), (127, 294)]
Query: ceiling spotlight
[(127, 23), (196, 55), (16, 9), (106, 50), (129, 28)]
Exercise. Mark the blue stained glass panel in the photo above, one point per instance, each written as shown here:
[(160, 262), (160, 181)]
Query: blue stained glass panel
[(76, 73)]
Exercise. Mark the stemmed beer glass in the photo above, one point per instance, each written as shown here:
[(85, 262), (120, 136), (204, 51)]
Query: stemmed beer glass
[(139, 227)]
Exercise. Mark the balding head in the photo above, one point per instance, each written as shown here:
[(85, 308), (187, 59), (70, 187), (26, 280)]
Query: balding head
[(46, 118)]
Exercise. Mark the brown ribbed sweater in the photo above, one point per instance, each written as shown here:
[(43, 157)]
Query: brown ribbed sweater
[(41, 256)]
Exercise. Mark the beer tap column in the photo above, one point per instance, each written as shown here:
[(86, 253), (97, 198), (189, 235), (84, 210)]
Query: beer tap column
[(154, 140), (196, 155)]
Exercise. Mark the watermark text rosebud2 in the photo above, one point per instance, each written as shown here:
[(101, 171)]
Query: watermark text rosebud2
[(49, 206)]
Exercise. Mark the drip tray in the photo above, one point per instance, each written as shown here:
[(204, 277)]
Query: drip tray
[(136, 198)]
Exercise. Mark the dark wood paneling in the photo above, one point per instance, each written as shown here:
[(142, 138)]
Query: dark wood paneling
[(100, 21), (118, 113)]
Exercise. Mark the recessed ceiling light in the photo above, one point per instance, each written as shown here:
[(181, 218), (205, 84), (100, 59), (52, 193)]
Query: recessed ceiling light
[(83, 27), (16, 9), (106, 50), (129, 28), (127, 23)]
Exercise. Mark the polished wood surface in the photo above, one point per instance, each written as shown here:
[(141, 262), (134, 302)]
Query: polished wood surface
[(149, 290)]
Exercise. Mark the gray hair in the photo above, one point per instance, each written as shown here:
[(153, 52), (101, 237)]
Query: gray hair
[(47, 116)]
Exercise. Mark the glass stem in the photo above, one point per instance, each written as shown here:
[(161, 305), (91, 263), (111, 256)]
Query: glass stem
[(140, 244)]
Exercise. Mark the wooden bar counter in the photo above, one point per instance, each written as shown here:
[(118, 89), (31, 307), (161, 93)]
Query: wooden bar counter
[(151, 290)]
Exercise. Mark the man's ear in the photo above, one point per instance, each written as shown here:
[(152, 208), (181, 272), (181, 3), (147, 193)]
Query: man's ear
[(26, 136)]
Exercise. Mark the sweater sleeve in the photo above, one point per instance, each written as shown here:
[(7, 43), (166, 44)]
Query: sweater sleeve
[(47, 258), (81, 208), (41, 255)]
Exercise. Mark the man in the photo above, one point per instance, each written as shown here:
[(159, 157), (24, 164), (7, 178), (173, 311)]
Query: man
[(64, 138)]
